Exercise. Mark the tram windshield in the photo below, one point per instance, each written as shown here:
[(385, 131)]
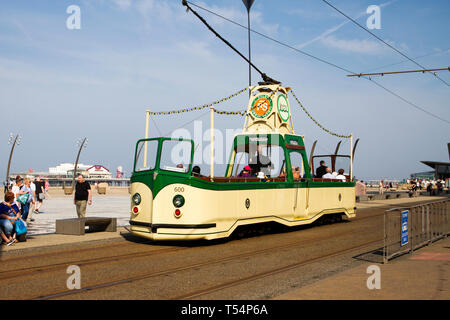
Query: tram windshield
[(146, 153), (176, 155)]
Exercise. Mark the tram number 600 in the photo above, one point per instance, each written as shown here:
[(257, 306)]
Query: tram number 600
[(178, 189)]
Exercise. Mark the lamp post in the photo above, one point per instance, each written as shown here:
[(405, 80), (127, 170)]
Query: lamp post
[(14, 141), (248, 5), (83, 144)]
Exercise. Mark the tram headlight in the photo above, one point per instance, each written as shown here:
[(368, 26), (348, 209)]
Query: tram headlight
[(178, 201), (136, 199)]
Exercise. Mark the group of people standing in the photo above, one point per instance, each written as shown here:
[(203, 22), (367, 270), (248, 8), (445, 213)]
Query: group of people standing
[(433, 186), (18, 200)]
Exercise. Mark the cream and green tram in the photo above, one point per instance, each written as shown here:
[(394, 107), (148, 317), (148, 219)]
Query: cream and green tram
[(171, 202)]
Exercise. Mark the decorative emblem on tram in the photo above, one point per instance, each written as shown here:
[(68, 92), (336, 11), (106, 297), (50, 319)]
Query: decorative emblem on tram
[(261, 106), (283, 107)]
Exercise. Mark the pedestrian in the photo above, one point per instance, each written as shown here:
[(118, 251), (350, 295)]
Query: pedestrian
[(381, 187), (16, 186), (40, 194), (25, 205), (83, 196), (46, 188)]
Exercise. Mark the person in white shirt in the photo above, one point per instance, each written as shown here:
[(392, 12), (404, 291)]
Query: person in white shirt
[(341, 176), (16, 187), (328, 175)]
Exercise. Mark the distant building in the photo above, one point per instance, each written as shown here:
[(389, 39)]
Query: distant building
[(441, 169), (64, 169), (99, 172)]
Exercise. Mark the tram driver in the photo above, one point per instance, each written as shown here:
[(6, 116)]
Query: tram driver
[(258, 162)]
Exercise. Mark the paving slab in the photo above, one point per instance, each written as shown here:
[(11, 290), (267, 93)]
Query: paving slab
[(423, 275)]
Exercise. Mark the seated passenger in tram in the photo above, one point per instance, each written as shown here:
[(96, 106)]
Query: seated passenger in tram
[(328, 174), (246, 172), (320, 171), (283, 173), (341, 176), (196, 171), (261, 175), (259, 162), (296, 173)]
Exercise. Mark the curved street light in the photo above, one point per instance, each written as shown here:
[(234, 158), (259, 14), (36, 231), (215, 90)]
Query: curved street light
[(82, 143), (14, 141)]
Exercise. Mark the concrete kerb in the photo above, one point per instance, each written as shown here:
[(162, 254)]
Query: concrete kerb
[(43, 242)]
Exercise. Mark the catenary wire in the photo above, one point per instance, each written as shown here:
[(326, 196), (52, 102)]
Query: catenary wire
[(387, 44), (396, 63), (323, 61)]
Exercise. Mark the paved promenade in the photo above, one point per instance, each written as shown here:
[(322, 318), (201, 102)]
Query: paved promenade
[(423, 275), (117, 206)]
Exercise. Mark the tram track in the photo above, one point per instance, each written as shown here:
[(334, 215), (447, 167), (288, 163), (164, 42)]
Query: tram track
[(9, 259), (41, 269), (201, 264), (271, 272), (25, 272)]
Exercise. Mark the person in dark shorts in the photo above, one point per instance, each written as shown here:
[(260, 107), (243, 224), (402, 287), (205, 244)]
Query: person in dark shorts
[(40, 194), (83, 196)]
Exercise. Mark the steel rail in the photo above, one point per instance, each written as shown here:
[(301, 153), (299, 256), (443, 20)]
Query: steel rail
[(188, 267)]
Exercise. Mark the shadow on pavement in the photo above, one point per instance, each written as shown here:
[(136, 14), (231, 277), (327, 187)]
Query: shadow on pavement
[(374, 256)]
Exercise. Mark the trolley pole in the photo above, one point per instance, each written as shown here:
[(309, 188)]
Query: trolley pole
[(248, 4), (146, 137), (351, 156), (212, 144)]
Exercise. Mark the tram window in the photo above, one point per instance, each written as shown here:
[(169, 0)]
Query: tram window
[(146, 155), (176, 155), (266, 158), (277, 160), (297, 165), (343, 163), (240, 161)]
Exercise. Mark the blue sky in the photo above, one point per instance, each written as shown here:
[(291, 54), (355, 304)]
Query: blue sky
[(58, 85)]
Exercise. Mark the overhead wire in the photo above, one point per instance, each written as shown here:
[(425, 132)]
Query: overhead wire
[(323, 61), (396, 63), (384, 42)]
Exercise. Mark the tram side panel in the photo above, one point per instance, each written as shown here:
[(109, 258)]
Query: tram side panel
[(328, 199)]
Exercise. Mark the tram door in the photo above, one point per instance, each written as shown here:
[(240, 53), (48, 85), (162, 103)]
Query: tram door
[(300, 171)]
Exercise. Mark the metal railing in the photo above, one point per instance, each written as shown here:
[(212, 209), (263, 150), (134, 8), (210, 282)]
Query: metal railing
[(425, 223)]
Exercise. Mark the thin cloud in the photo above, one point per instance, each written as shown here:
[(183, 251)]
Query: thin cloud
[(337, 27), (353, 45)]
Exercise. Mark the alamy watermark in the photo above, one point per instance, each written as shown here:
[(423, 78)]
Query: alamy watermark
[(374, 281), (374, 20), (74, 280), (73, 22)]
